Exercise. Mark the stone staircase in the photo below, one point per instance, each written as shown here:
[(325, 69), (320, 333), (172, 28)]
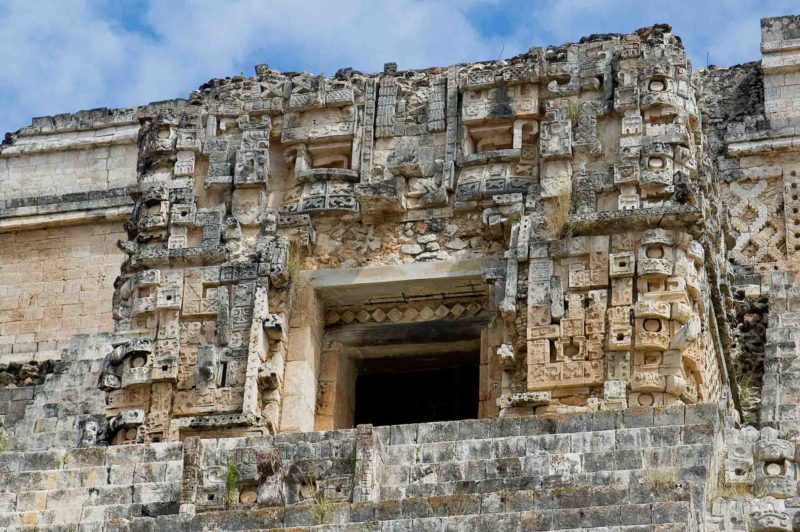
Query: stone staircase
[(638, 469)]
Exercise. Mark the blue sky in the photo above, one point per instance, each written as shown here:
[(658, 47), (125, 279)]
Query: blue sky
[(66, 55)]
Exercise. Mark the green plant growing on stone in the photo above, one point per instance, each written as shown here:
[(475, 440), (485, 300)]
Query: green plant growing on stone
[(732, 491), (573, 111), (320, 508), (294, 262), (351, 462), (5, 440), (746, 387), (723, 489), (231, 484), (660, 477), (558, 215), (745, 383), (564, 207), (294, 265)]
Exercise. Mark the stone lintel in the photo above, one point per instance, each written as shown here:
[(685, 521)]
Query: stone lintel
[(24, 223), (760, 147), (356, 285), (61, 142)]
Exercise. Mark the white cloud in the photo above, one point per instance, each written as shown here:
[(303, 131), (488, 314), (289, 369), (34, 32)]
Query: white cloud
[(71, 55), (63, 56), (55, 54), (728, 30)]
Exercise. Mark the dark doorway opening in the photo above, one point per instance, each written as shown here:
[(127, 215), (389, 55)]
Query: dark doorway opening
[(417, 389)]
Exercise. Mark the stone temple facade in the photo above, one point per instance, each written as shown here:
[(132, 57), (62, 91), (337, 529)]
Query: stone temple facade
[(554, 292)]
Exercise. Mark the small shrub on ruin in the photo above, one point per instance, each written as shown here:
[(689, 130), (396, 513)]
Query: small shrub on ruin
[(231, 485)]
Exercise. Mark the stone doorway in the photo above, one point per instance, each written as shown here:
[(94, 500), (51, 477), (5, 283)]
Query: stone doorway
[(417, 389), (378, 335)]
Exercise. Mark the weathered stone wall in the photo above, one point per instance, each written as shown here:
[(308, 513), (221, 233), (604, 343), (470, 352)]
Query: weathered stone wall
[(779, 44), (580, 171), (751, 122), (48, 405), (85, 152), (55, 283), (79, 170), (588, 472), (63, 196), (780, 407)]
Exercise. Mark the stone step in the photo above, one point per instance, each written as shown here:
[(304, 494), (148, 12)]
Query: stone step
[(632, 501), (540, 463), (642, 417), (660, 516), (520, 446)]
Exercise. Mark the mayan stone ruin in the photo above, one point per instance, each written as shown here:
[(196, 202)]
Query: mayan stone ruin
[(555, 292)]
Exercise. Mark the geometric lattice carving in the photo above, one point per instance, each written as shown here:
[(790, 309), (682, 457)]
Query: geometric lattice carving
[(755, 211), (423, 311)]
